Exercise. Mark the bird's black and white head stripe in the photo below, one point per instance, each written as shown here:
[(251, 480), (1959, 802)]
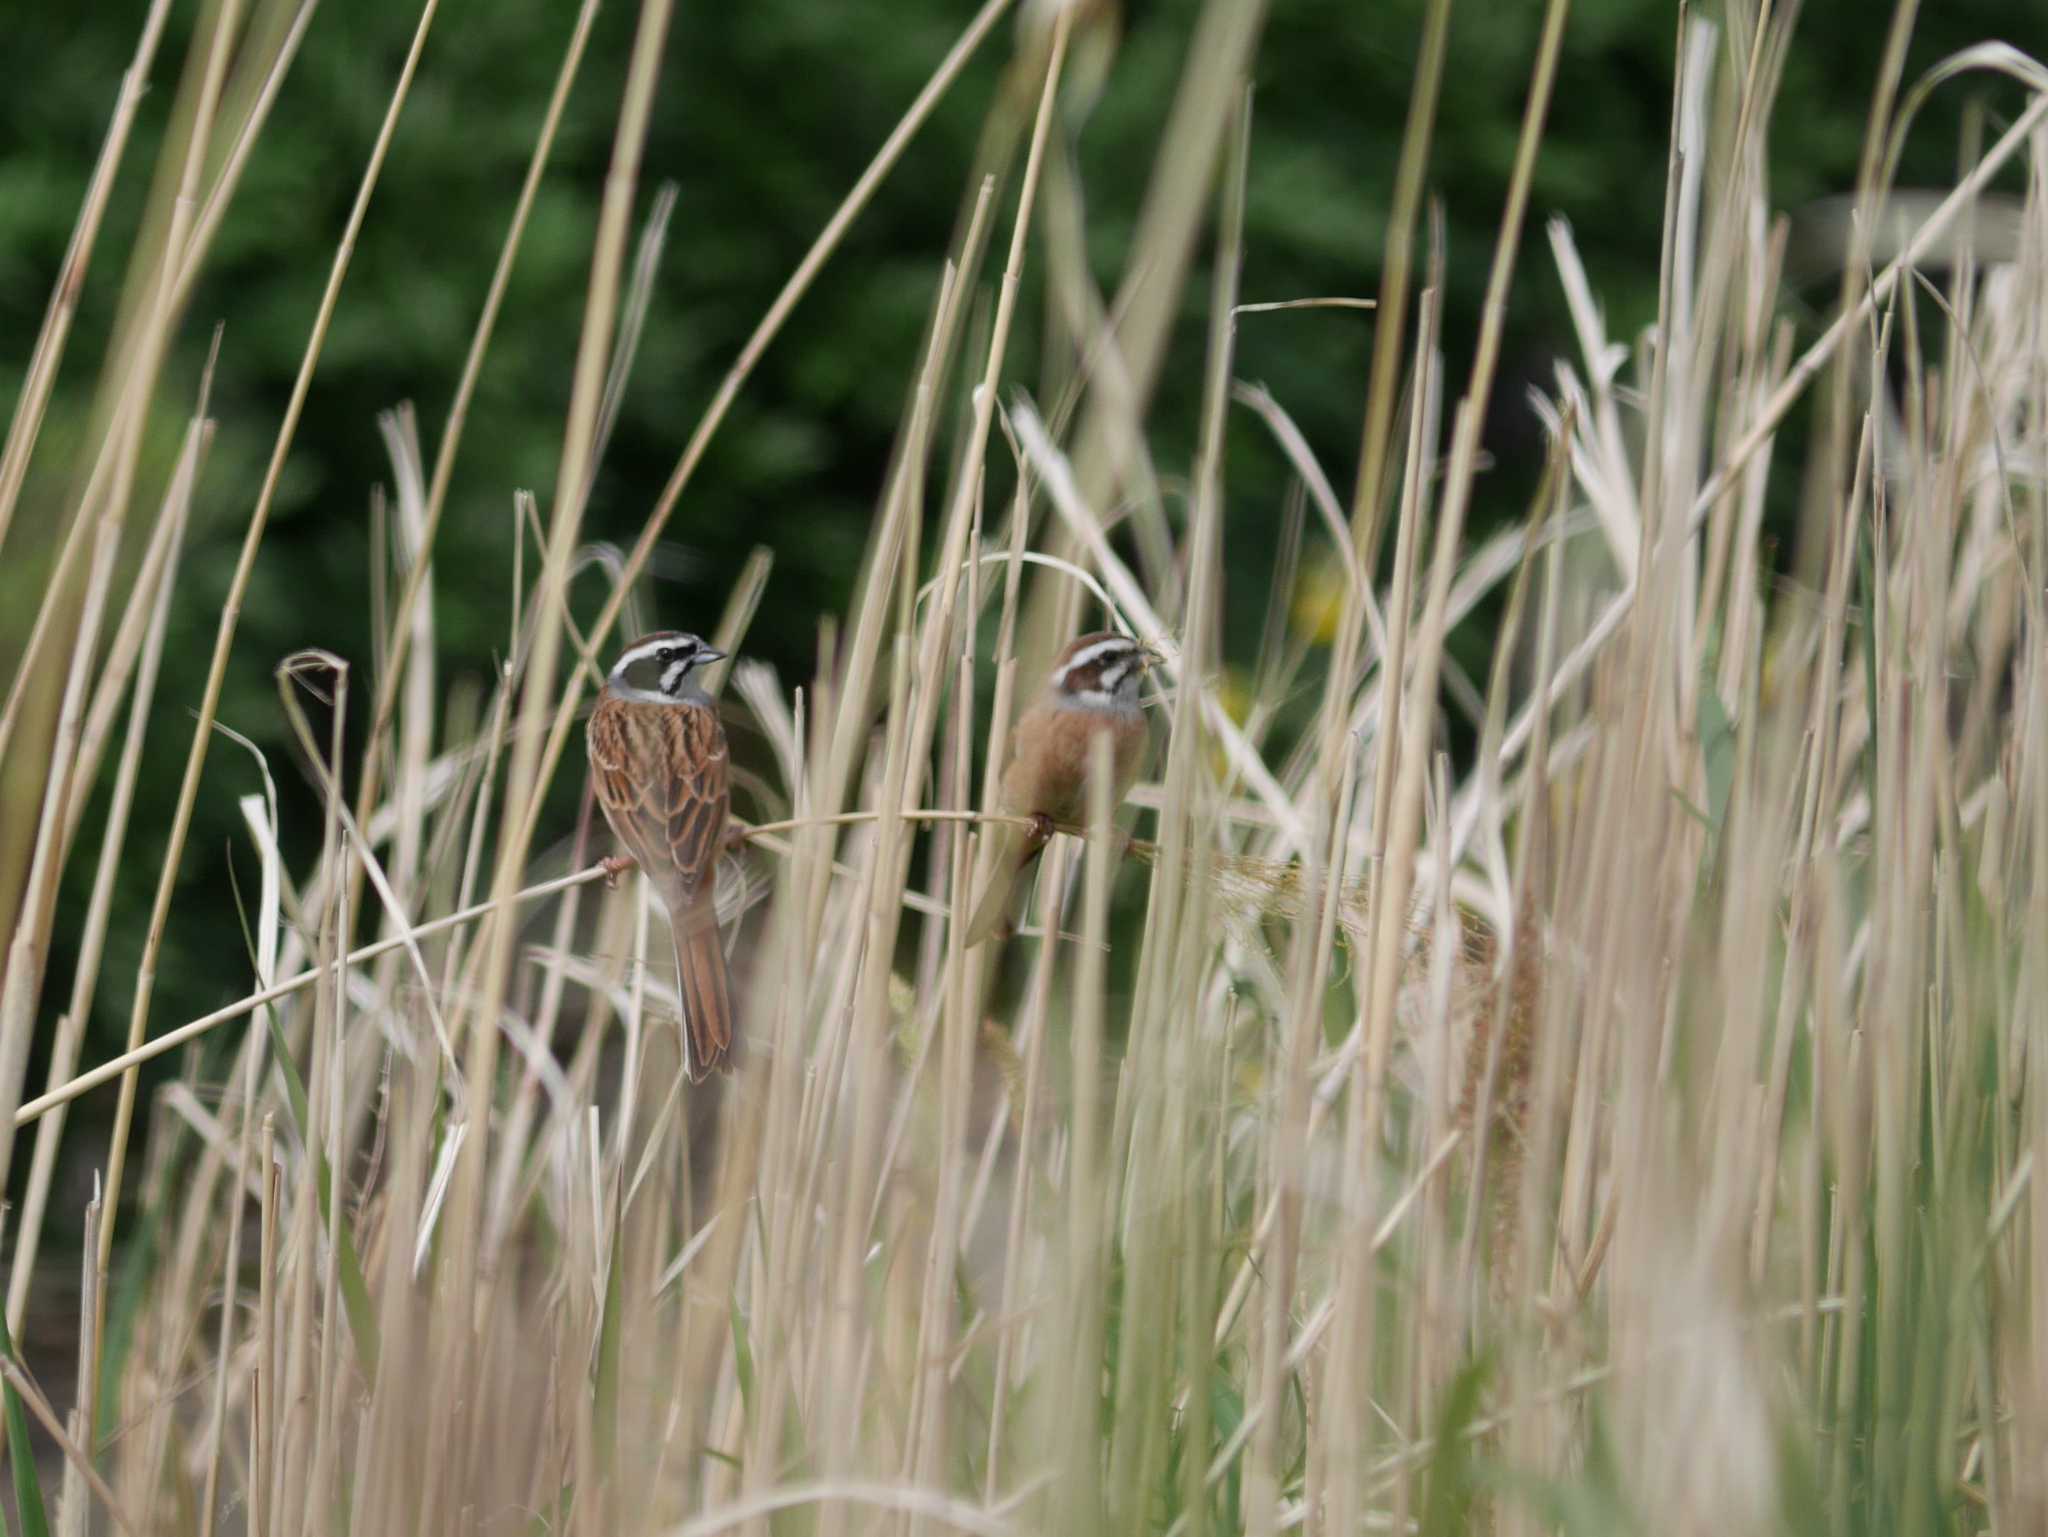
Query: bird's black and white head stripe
[(1101, 671), (658, 667)]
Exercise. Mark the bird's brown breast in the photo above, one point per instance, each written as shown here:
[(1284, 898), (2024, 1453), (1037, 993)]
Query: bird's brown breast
[(1049, 772)]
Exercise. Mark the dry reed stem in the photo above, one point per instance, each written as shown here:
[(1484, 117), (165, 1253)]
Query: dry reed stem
[(217, 669), (26, 423)]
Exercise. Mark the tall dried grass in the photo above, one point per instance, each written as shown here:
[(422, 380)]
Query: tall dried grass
[(1631, 1129)]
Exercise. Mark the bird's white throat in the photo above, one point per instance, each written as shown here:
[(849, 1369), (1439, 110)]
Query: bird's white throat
[(1100, 700), (687, 691)]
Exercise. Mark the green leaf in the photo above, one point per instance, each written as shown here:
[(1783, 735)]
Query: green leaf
[(555, 1519), (28, 1485), (1717, 756), (1590, 1503), (742, 1357), (1866, 580), (139, 1254), (1691, 809), (1452, 1484), (1226, 1413), (605, 1388)]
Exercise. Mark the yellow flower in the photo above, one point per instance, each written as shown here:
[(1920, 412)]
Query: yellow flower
[(1233, 692), (1318, 601)]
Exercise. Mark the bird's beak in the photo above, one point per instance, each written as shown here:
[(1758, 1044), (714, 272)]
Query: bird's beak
[(708, 655), (1151, 656)]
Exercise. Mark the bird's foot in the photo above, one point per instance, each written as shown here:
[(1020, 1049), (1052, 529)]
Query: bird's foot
[(1042, 828), (615, 866)]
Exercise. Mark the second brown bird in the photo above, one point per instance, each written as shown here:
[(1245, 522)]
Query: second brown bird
[(1091, 690)]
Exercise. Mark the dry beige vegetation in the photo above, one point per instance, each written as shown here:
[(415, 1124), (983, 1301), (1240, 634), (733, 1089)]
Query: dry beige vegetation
[(1631, 1129)]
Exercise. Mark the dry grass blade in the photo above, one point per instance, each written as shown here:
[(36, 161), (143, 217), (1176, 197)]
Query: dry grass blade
[(224, 641)]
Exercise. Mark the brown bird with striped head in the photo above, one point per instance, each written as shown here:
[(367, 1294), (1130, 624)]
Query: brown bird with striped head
[(658, 767), (1092, 690)]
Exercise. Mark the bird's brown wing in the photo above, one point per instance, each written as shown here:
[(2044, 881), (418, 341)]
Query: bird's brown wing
[(627, 767), (1049, 772), (1041, 768), (698, 793), (1015, 850), (662, 775), (624, 758), (1048, 776), (1030, 784)]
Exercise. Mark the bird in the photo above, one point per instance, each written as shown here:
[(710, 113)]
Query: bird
[(1091, 689), (660, 770)]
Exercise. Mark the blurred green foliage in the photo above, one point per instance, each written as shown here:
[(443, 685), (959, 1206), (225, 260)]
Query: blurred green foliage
[(767, 113)]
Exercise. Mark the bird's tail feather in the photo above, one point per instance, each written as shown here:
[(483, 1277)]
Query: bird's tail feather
[(701, 989), (1015, 854)]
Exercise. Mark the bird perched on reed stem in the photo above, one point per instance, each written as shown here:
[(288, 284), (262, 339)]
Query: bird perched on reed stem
[(1091, 690), (659, 769)]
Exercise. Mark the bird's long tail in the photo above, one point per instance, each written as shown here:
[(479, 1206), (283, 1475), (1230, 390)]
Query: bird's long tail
[(701, 988), (1016, 852)]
